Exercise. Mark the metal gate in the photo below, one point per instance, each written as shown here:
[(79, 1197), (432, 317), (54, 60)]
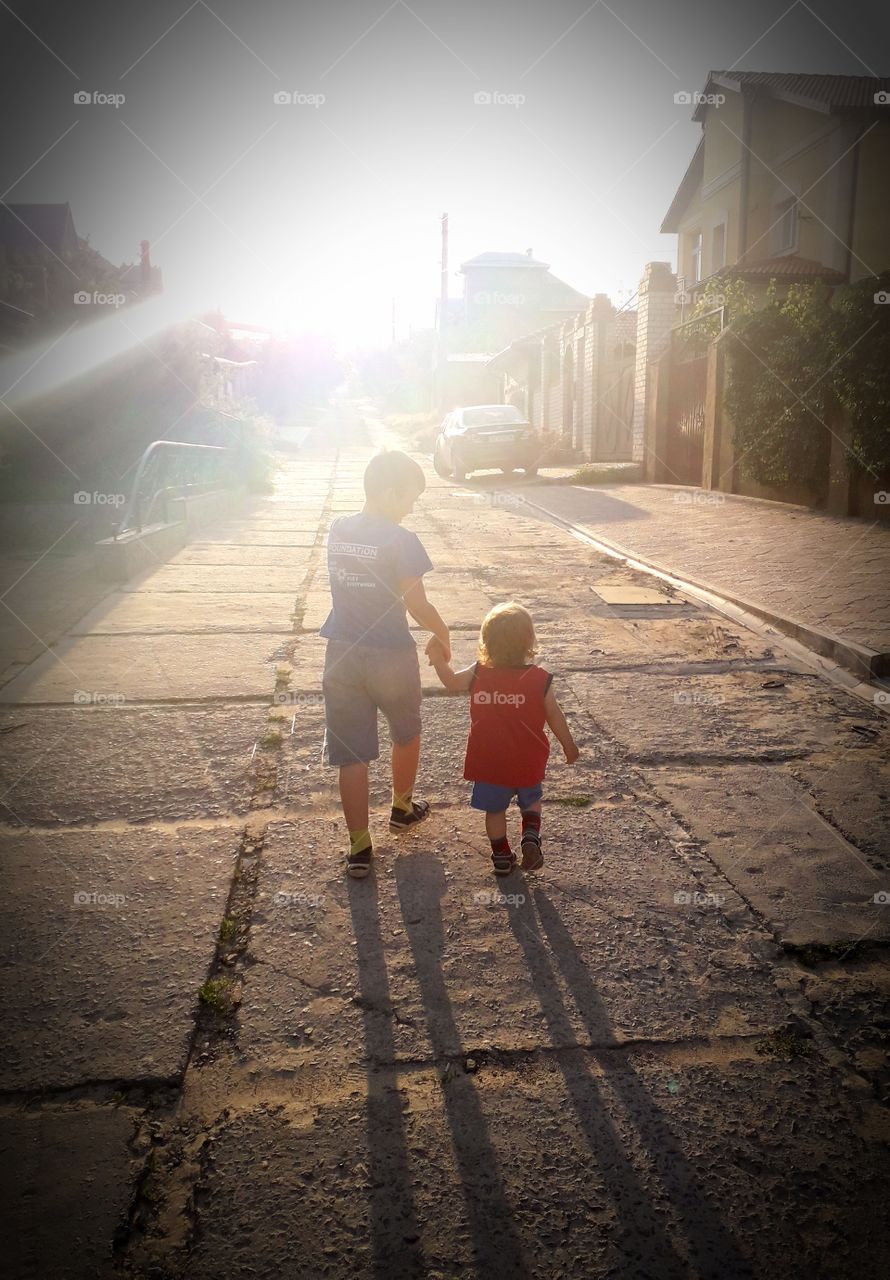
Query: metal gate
[(687, 384), (614, 435), (686, 421)]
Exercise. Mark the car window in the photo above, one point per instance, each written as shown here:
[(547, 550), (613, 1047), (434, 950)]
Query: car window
[(492, 415)]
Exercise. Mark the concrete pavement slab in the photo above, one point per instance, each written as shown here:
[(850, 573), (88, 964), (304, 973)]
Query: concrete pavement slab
[(556, 1167), (147, 667), (95, 764), (66, 1180), (800, 875), (110, 935), (852, 792), (290, 537), (435, 928), (600, 643), (222, 579), (172, 612), (196, 553), (732, 714)]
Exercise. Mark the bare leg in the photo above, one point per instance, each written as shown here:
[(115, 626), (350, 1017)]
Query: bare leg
[(354, 795), (405, 757), (496, 825)]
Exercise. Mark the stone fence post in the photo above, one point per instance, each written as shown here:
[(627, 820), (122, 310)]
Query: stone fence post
[(656, 310)]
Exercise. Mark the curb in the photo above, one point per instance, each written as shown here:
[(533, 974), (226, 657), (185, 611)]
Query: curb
[(867, 664)]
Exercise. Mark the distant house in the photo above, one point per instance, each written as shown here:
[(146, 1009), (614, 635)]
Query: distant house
[(790, 180), (508, 294)]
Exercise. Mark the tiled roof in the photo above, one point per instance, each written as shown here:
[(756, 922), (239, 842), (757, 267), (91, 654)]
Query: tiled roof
[(818, 92), (787, 267)]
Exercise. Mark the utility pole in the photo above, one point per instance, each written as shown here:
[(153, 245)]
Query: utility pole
[(441, 388)]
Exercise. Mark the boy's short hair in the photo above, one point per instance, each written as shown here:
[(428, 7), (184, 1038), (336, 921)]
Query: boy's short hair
[(507, 637), (393, 470)]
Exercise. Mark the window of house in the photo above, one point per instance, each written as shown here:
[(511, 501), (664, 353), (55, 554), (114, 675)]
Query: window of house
[(718, 247), (695, 256), (785, 225)]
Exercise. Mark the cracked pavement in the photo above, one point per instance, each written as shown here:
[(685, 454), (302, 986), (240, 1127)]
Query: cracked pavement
[(666, 1054)]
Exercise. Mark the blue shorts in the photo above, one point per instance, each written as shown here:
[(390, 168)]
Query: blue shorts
[(491, 798)]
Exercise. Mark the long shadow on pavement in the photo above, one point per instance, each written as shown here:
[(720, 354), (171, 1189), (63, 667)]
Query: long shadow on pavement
[(713, 1250), (395, 1233), (497, 1246)]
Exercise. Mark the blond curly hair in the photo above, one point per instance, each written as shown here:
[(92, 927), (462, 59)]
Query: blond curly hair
[(507, 636)]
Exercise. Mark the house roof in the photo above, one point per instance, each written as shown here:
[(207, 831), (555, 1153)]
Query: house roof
[(503, 260), (826, 93), (32, 226), (695, 171), (788, 267)]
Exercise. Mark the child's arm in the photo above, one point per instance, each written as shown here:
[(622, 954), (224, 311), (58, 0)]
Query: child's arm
[(553, 714), (454, 681), (424, 613)]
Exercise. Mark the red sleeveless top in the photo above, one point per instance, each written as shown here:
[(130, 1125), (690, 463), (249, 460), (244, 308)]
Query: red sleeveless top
[(508, 744)]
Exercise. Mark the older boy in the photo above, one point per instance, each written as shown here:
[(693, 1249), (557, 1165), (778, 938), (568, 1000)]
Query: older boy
[(376, 573)]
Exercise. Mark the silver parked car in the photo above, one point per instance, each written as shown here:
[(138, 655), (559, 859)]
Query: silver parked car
[(483, 436)]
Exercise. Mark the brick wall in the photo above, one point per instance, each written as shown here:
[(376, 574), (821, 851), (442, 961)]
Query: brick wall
[(656, 312)]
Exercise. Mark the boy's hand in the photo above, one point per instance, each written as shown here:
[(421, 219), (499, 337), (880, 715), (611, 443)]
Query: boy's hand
[(571, 752)]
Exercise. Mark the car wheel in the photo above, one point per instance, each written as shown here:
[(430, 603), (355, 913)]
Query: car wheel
[(439, 462)]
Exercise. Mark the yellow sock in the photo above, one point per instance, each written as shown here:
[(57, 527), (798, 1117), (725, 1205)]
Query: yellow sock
[(359, 840), (402, 800)]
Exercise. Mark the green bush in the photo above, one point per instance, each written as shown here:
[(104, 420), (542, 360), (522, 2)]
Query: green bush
[(796, 362)]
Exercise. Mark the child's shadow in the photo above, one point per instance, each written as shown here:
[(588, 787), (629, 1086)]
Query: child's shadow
[(643, 1237), (421, 885)]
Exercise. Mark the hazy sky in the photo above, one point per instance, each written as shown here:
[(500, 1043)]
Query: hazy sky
[(321, 214)]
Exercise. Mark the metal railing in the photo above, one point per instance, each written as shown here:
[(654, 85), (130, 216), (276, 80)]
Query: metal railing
[(137, 509)]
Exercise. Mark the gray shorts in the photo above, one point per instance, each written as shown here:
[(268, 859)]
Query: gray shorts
[(357, 682)]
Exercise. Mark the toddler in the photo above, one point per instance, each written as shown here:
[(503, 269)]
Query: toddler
[(511, 700)]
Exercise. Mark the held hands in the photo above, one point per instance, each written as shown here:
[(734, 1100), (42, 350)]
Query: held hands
[(437, 651)]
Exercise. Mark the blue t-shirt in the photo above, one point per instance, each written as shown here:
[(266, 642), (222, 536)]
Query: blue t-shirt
[(368, 556)]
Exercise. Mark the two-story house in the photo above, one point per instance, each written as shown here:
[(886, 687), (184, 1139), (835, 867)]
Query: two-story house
[(790, 180)]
